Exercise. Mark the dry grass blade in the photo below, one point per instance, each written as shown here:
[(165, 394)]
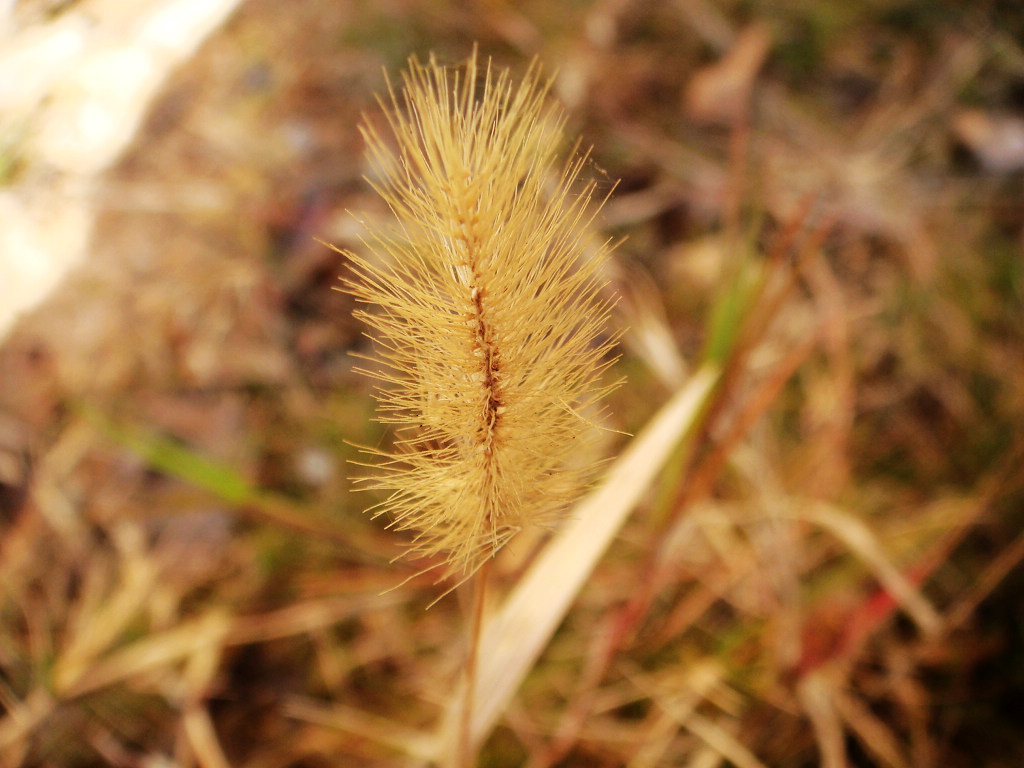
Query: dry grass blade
[(203, 737), (380, 730), (22, 718), (874, 734), (514, 638), (215, 628), (723, 742), (677, 699), (815, 693), (863, 543), (152, 652), (983, 586)]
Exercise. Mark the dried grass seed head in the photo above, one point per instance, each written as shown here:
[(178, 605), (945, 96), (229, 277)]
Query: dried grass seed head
[(486, 317)]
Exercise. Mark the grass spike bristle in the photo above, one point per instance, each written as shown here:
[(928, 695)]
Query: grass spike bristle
[(486, 317)]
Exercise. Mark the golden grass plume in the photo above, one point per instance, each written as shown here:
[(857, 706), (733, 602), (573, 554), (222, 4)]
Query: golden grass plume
[(486, 317)]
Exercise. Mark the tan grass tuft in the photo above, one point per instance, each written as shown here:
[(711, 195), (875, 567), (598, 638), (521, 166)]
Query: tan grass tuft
[(486, 317)]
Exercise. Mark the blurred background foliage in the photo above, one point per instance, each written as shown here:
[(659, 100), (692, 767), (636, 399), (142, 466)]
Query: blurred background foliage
[(826, 198)]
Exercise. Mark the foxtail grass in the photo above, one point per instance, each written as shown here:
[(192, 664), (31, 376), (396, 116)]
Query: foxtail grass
[(486, 317), (487, 321)]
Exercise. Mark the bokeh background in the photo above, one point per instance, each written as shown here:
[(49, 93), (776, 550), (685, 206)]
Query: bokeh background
[(825, 199)]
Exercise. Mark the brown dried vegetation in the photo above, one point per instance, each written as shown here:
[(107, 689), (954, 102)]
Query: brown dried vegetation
[(825, 570)]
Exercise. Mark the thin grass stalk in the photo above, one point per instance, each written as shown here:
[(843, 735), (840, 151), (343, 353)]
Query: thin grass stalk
[(467, 746)]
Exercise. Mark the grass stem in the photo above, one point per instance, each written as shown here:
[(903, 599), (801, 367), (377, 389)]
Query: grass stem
[(466, 746)]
